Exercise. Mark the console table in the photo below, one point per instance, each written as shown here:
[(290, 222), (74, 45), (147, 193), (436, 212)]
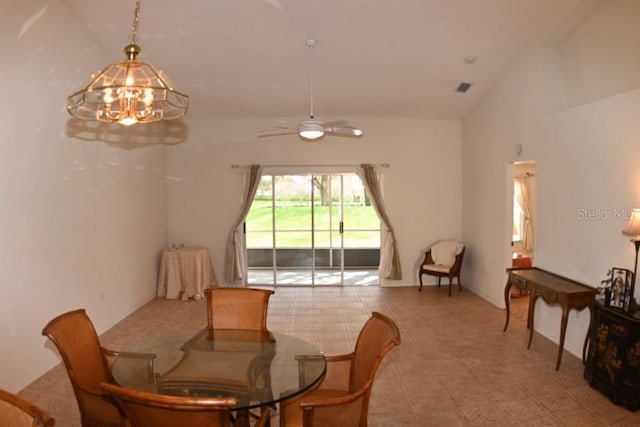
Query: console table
[(613, 359), (554, 289)]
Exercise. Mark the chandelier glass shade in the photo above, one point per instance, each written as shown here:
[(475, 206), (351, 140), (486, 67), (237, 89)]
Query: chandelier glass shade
[(129, 91)]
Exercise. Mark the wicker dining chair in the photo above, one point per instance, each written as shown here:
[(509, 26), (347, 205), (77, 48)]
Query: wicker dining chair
[(18, 412), (88, 365), (156, 410), (342, 399), (237, 308)]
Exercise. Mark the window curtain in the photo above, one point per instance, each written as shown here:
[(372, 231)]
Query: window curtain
[(522, 196), (389, 258), (235, 262)]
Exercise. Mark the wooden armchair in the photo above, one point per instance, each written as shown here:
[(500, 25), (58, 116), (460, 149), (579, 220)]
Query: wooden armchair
[(237, 308), (156, 410), (342, 399), (18, 412), (88, 365), (443, 259)]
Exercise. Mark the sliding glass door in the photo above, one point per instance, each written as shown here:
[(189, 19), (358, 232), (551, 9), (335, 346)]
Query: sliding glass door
[(304, 230)]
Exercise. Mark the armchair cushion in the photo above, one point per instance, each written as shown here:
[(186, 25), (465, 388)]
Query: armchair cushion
[(438, 268)]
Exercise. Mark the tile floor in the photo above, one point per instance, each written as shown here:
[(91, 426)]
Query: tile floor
[(455, 366)]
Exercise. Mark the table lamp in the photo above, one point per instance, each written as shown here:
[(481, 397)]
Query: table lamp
[(633, 229)]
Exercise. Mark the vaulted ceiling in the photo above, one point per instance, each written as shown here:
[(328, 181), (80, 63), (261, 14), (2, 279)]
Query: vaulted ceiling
[(247, 58)]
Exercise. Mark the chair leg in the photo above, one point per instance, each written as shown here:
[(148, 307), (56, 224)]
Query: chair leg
[(459, 283), (450, 286), (439, 280), (420, 277)]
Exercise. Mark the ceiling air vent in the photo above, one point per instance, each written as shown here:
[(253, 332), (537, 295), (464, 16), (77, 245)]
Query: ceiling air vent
[(463, 87)]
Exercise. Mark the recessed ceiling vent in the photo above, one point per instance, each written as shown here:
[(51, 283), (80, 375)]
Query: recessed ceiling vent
[(463, 87)]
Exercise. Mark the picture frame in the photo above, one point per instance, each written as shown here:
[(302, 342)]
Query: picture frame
[(621, 288)]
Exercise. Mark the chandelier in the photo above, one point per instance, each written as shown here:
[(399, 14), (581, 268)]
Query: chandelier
[(130, 91)]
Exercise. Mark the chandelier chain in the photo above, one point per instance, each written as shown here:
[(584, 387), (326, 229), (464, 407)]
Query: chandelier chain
[(134, 26)]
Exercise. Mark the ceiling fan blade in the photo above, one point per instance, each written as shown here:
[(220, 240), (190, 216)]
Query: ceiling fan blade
[(344, 131), (274, 3), (339, 124), (277, 128), (282, 132)]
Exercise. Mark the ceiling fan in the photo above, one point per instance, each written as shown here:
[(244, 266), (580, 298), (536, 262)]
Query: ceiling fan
[(312, 129)]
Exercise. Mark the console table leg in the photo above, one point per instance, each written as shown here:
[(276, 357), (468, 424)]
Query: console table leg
[(507, 290), (563, 331), (532, 309)]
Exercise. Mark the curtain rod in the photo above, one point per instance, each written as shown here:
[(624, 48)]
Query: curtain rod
[(235, 166)]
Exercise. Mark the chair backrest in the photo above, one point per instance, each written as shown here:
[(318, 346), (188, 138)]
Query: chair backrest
[(155, 410), (79, 346), (237, 308), (377, 337), (445, 251), (18, 412)]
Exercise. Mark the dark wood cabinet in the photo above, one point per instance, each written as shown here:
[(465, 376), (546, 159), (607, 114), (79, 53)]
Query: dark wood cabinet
[(613, 358)]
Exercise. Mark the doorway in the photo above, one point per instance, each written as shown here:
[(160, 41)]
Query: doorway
[(524, 214), (312, 230)]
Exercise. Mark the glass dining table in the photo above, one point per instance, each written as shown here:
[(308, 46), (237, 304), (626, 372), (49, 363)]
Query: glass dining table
[(258, 368)]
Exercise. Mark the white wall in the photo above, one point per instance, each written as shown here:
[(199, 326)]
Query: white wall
[(422, 186), (586, 160), (83, 222)]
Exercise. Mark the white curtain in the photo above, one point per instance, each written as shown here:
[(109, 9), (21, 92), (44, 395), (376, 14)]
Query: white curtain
[(235, 263), (522, 196), (389, 258)]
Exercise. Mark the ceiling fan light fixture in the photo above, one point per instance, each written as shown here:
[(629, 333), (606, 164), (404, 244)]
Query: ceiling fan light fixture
[(311, 129), (311, 134), (129, 91)]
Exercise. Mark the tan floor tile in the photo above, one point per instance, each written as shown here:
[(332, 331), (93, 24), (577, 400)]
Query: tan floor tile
[(555, 399), (579, 417), (485, 415), (544, 421), (447, 417), (523, 409)]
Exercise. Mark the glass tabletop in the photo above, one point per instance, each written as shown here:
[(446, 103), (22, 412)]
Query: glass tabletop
[(258, 368)]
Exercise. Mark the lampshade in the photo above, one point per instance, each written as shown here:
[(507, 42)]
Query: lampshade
[(633, 226), (130, 91)]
